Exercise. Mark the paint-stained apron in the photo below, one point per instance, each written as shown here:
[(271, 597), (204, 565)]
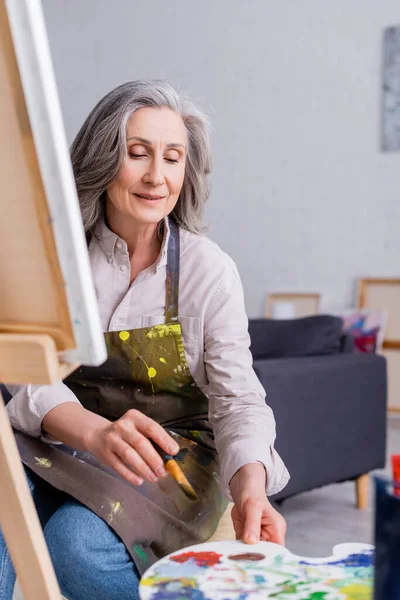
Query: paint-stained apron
[(147, 370)]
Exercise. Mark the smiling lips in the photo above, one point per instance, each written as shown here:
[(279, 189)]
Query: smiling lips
[(149, 197)]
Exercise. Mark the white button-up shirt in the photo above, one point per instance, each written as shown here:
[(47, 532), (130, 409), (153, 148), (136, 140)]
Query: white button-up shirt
[(215, 334)]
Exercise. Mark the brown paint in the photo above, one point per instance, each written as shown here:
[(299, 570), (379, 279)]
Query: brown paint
[(253, 556)]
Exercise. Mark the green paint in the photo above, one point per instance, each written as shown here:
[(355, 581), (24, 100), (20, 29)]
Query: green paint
[(138, 550), (290, 587), (278, 560)]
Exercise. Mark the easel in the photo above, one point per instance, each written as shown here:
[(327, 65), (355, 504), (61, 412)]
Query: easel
[(36, 327)]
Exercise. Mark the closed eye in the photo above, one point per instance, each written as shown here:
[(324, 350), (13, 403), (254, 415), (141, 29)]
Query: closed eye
[(171, 160)]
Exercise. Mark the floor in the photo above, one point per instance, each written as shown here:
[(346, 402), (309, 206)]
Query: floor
[(320, 519)]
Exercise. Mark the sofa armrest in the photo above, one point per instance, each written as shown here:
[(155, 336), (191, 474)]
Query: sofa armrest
[(330, 413)]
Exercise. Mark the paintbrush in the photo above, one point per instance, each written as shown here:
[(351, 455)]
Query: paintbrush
[(174, 469)]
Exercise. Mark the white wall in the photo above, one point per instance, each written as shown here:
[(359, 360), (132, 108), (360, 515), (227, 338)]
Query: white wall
[(302, 198)]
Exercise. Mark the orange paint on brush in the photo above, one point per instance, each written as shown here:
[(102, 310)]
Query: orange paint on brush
[(176, 472), (396, 472), (174, 469)]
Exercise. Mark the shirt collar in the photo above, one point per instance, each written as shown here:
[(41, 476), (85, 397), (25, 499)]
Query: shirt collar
[(107, 240)]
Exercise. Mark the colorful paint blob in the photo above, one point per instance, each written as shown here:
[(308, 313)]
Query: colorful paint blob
[(202, 559), (227, 571), (124, 335)]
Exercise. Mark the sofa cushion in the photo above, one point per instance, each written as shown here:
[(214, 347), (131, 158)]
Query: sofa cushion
[(308, 336)]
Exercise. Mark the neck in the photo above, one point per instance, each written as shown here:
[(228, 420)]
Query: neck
[(142, 239)]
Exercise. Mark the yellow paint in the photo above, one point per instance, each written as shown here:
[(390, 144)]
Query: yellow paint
[(151, 372), (160, 331), (184, 581), (43, 462), (357, 591), (115, 508), (163, 360)]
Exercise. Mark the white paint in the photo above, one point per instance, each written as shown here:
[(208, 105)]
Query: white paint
[(303, 199), (31, 46)]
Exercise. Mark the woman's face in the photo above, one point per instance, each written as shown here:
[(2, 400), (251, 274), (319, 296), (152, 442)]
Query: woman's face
[(150, 180)]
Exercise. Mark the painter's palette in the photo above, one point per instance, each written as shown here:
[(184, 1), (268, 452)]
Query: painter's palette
[(235, 571)]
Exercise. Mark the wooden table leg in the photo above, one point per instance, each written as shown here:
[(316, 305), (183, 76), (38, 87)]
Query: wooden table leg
[(20, 524), (362, 491)]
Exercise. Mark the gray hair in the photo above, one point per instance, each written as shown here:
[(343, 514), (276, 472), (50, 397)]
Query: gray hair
[(99, 149)]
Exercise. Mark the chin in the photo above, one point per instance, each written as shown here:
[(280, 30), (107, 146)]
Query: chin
[(150, 216)]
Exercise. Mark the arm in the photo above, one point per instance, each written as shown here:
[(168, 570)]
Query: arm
[(123, 445), (243, 424), (30, 403), (55, 413)]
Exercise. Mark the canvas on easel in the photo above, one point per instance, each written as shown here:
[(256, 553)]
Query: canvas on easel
[(49, 320)]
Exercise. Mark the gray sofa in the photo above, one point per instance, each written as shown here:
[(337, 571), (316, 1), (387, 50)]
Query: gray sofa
[(329, 402)]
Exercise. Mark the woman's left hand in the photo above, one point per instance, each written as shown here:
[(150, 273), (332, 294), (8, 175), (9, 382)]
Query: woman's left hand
[(254, 518)]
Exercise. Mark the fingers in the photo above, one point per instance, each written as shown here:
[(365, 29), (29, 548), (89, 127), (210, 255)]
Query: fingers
[(275, 531), (237, 523), (252, 513), (118, 466), (131, 442), (130, 457), (277, 536), (273, 527), (152, 430)]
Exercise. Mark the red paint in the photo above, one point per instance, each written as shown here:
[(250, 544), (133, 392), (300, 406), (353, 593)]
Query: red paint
[(396, 472), (203, 559)]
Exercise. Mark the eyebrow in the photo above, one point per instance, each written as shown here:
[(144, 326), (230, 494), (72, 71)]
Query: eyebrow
[(149, 143)]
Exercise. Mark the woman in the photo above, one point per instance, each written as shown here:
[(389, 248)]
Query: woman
[(171, 303)]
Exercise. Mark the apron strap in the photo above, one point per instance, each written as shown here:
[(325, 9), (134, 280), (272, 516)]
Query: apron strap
[(172, 287)]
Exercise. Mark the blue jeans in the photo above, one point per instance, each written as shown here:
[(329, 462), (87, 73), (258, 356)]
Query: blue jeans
[(90, 561)]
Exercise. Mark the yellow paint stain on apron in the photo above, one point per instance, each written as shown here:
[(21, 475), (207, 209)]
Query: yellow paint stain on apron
[(151, 372), (43, 462), (115, 508), (163, 360), (160, 331), (124, 335)]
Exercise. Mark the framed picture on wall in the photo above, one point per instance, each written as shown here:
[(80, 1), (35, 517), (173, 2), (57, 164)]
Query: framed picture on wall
[(391, 90), (384, 295), (292, 305)]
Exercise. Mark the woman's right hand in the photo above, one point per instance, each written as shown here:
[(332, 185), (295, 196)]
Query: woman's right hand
[(125, 444)]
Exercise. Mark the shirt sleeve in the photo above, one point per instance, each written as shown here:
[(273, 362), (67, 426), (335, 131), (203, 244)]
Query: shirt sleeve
[(31, 403), (243, 424)]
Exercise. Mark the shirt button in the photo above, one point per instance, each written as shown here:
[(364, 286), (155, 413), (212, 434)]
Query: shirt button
[(123, 268), (119, 245)]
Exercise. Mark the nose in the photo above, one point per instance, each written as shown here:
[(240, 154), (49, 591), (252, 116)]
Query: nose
[(155, 174)]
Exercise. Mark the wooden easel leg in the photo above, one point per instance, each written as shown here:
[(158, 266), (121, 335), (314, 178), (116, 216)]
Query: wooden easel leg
[(20, 524), (362, 491)]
